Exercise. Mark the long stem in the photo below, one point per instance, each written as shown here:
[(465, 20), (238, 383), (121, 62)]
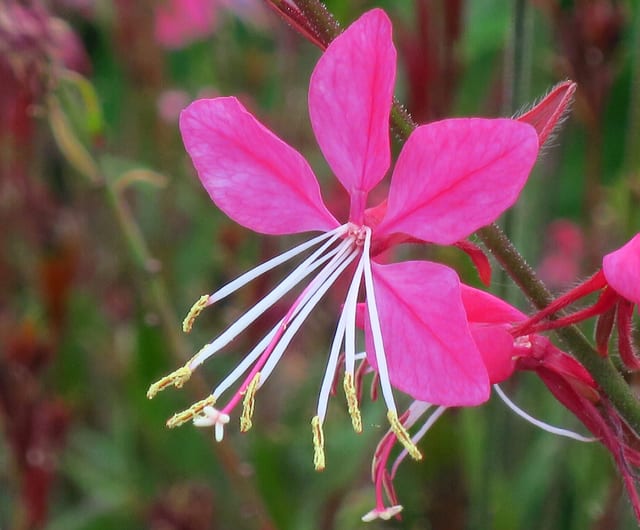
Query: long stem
[(601, 369)]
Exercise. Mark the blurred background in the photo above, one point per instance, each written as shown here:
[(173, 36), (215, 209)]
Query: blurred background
[(107, 238)]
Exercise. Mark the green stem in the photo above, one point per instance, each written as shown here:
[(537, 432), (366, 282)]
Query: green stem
[(319, 17), (601, 369)]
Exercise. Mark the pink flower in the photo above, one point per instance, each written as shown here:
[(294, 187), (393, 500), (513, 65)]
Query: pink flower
[(451, 178), (492, 324), (568, 381), (619, 284)]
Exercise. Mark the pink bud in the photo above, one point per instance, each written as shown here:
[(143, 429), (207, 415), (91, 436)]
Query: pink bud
[(547, 114)]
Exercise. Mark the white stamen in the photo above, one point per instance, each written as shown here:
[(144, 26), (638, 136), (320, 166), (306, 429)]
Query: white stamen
[(330, 372), (544, 426), (303, 270), (376, 332), (318, 293), (255, 353), (419, 433), (350, 305), (248, 360), (416, 411), (251, 275)]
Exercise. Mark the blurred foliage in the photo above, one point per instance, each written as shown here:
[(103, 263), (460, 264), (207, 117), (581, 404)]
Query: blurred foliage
[(108, 234)]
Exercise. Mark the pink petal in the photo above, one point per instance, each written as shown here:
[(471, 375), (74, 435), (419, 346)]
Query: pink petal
[(490, 318), (429, 349), (455, 176), (350, 97), (253, 176), (484, 308), (496, 347), (479, 259), (622, 270)]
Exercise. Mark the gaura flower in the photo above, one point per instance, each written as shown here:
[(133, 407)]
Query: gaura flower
[(489, 321), (619, 285), (492, 323), (451, 178)]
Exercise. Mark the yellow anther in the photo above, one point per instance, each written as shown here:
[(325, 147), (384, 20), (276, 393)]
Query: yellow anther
[(182, 417), (403, 436), (177, 379), (248, 403), (318, 444), (193, 313), (352, 402)]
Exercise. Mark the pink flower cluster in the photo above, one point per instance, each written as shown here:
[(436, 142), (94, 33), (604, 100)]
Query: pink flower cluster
[(425, 333)]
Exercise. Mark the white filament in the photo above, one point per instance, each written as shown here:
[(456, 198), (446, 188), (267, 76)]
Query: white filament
[(376, 332), (254, 273), (248, 360), (304, 313), (419, 433), (349, 310), (303, 270), (257, 351), (416, 411), (542, 425), (330, 372)]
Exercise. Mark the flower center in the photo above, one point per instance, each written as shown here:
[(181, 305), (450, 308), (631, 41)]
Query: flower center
[(357, 233)]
